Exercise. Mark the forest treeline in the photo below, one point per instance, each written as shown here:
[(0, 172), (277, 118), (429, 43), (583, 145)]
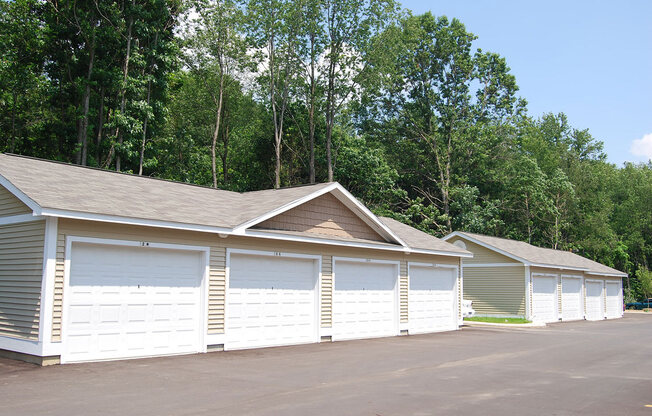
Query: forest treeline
[(402, 109)]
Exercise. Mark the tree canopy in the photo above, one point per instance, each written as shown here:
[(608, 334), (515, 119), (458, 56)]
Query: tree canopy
[(402, 109)]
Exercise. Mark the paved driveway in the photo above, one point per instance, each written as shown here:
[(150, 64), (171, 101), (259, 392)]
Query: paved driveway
[(588, 368)]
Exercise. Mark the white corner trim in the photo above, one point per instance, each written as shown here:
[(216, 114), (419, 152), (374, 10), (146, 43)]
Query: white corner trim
[(528, 309), (17, 219), (24, 346), (20, 195), (47, 283)]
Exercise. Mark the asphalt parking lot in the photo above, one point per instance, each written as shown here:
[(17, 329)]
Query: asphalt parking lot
[(574, 368)]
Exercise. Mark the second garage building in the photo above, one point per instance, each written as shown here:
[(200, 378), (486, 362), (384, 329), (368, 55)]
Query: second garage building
[(508, 278), (98, 265)]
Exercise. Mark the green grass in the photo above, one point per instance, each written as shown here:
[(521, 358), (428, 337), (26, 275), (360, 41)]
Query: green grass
[(498, 320)]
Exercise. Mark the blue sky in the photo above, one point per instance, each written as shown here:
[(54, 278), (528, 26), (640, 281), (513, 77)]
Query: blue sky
[(589, 59)]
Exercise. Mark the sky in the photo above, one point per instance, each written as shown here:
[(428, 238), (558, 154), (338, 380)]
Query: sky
[(589, 59)]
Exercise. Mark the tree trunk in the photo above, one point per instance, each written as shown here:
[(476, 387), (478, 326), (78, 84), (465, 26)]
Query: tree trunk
[(330, 104), (217, 130), (311, 111), (100, 126), (144, 140), (12, 144), (125, 72), (225, 154), (82, 134)]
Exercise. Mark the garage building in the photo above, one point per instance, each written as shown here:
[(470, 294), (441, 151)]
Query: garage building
[(508, 278), (98, 265)]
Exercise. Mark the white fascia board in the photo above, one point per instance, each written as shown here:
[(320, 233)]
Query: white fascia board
[(558, 267), (20, 195), (240, 229), (606, 274), (485, 245), (17, 219), (133, 221), (357, 244)]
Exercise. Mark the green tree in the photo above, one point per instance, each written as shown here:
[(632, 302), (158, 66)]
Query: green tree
[(216, 53)]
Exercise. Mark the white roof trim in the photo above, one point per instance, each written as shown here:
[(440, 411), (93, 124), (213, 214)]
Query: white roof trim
[(343, 196), (227, 231), (20, 195), (607, 274), (133, 221), (358, 244), (561, 267), (485, 245)]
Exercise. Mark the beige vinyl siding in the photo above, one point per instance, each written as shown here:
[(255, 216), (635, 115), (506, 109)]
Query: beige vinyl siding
[(326, 291), (21, 273), (496, 290), (403, 292), (217, 265), (482, 255), (216, 289), (324, 215), (10, 205)]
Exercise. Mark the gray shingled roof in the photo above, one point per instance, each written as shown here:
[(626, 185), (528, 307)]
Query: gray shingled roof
[(418, 239), (80, 189), (66, 187), (543, 256)]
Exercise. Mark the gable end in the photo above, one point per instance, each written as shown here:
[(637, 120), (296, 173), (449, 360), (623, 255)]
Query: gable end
[(482, 255), (324, 215), (10, 205)]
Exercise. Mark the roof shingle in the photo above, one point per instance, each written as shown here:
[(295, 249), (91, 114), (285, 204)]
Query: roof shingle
[(543, 256)]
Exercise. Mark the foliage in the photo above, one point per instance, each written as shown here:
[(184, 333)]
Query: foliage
[(402, 109), (644, 277)]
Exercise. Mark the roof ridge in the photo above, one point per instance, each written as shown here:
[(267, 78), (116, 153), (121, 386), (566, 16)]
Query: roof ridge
[(300, 185), (126, 174)]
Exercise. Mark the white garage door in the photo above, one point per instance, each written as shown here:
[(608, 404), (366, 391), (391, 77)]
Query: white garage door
[(126, 301), (271, 301), (571, 298), (614, 304), (544, 298), (594, 300), (364, 300), (432, 305)]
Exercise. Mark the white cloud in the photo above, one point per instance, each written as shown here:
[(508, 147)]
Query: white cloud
[(642, 146)]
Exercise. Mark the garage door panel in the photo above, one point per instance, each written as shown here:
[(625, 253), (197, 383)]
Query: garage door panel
[(544, 298), (594, 300), (271, 301), (432, 299), (115, 310), (364, 300), (571, 298), (614, 303)]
